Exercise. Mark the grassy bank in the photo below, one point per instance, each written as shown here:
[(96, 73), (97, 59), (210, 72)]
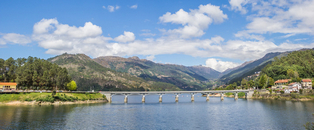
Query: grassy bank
[(48, 97), (288, 97)]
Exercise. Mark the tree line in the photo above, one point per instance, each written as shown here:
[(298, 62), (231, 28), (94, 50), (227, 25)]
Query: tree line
[(34, 73)]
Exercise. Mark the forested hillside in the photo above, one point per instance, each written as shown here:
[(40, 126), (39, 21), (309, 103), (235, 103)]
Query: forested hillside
[(187, 78), (298, 64), (90, 75), (250, 68), (33, 73)]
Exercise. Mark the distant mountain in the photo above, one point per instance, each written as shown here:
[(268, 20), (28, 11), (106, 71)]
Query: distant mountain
[(206, 72), (187, 78), (249, 68), (88, 73)]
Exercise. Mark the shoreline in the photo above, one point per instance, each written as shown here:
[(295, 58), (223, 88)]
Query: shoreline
[(38, 103)]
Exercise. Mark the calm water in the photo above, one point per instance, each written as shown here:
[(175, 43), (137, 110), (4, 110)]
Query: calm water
[(215, 114)]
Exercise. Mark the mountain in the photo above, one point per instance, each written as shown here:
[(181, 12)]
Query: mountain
[(250, 68), (87, 73), (187, 78)]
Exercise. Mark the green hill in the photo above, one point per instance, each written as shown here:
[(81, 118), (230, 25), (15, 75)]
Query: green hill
[(294, 65), (89, 74)]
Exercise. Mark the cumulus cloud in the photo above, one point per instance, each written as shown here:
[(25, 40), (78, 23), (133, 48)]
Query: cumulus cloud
[(279, 16), (14, 38), (58, 38), (238, 5), (220, 65), (194, 22), (111, 8), (133, 7), (126, 37)]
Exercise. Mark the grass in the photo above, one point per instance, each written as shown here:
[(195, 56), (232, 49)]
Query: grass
[(47, 97)]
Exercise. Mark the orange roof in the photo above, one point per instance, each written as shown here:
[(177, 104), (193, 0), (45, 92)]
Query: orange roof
[(8, 83), (306, 80), (283, 81), (292, 83)]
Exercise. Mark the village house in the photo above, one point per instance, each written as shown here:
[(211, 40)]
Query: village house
[(293, 87), (8, 86), (306, 83), (280, 84)]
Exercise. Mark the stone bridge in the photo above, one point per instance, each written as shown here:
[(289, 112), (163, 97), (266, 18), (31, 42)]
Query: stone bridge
[(109, 94)]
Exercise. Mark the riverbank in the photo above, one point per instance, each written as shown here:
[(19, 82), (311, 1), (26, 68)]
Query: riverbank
[(285, 97), (51, 99)]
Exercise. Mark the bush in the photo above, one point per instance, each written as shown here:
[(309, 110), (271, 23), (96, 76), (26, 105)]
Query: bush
[(301, 91), (294, 95), (53, 92), (282, 92), (28, 99)]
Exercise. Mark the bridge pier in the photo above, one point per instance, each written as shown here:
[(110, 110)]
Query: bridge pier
[(207, 97), (160, 98), (108, 97), (177, 97), (192, 97), (235, 96), (143, 98), (125, 98), (221, 96)]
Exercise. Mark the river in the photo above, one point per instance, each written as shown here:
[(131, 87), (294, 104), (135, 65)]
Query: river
[(214, 114)]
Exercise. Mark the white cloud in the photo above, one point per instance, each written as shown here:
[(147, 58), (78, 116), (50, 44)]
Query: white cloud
[(279, 16), (238, 5), (111, 8), (220, 65), (195, 21), (2, 41), (126, 37), (151, 57), (15, 39), (133, 7)]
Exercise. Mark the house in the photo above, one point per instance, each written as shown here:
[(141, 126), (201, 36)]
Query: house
[(294, 87), (287, 91), (8, 86), (306, 83), (281, 84)]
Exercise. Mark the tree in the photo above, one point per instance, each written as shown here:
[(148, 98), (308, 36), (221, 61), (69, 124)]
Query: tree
[(244, 83), (262, 83), (72, 86), (271, 82), (251, 84)]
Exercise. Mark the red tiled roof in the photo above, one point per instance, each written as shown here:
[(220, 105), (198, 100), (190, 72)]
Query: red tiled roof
[(8, 83), (292, 83), (283, 81), (306, 80)]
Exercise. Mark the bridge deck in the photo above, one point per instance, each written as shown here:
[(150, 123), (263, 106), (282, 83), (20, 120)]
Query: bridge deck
[(171, 92)]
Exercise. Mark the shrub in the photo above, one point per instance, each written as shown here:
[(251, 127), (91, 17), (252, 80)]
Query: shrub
[(282, 92), (301, 91), (294, 95)]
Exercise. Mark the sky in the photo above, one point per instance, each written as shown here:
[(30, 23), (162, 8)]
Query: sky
[(220, 34)]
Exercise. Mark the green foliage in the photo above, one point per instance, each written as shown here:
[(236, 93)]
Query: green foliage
[(298, 64), (33, 73), (72, 86), (241, 94), (282, 92), (294, 95)]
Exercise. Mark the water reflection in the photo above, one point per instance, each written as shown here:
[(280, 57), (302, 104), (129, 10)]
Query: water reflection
[(215, 114)]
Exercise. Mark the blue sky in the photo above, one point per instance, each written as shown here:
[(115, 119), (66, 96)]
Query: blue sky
[(216, 34)]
